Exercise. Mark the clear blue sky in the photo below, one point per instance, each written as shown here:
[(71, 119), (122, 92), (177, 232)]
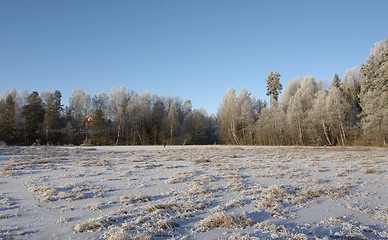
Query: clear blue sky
[(195, 49)]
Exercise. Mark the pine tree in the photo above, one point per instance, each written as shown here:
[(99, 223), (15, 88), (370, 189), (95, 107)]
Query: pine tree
[(33, 114), (100, 133), (8, 119), (336, 82), (351, 89), (52, 116), (274, 87)]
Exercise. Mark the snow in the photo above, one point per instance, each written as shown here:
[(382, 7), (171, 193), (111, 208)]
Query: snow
[(193, 192)]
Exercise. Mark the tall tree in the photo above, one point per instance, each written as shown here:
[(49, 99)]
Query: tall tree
[(33, 114), (99, 135), (8, 119), (52, 121), (319, 119), (289, 92), (245, 117), (69, 131), (196, 128), (351, 88), (80, 106), (228, 119), (336, 108), (118, 104), (271, 127), (274, 87), (374, 95), (100, 126), (172, 120), (336, 82), (299, 105), (158, 114), (135, 128)]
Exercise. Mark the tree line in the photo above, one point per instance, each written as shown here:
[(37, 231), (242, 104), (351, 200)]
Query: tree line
[(121, 118), (352, 111)]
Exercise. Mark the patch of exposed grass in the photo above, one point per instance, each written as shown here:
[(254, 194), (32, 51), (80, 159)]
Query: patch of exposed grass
[(5, 203), (220, 220), (126, 200), (101, 222), (370, 171), (69, 192)]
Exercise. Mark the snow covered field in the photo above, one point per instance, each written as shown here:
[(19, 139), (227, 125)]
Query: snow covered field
[(193, 192)]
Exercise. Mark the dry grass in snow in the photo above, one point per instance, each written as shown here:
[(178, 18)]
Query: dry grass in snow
[(220, 220), (193, 192)]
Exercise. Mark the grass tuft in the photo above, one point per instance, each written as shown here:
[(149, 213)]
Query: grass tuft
[(220, 220)]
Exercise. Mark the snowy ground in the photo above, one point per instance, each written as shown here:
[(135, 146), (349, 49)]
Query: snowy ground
[(193, 192)]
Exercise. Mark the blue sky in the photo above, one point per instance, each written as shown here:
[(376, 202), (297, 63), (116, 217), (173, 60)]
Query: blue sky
[(195, 49)]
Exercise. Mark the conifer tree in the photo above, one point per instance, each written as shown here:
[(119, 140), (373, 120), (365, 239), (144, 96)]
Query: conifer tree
[(7, 119), (33, 114), (274, 87), (374, 95)]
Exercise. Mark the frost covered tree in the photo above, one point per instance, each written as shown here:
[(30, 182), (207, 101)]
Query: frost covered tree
[(228, 119), (336, 108), (374, 95), (274, 87), (289, 92), (118, 103), (100, 101), (319, 119), (145, 118), (80, 107), (245, 117), (299, 105), (263, 133), (172, 120), (271, 127), (136, 112)]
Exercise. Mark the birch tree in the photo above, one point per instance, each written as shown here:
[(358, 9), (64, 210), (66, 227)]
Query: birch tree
[(245, 117), (336, 108), (299, 105), (118, 103), (319, 119), (172, 120), (289, 92), (228, 119), (80, 107)]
